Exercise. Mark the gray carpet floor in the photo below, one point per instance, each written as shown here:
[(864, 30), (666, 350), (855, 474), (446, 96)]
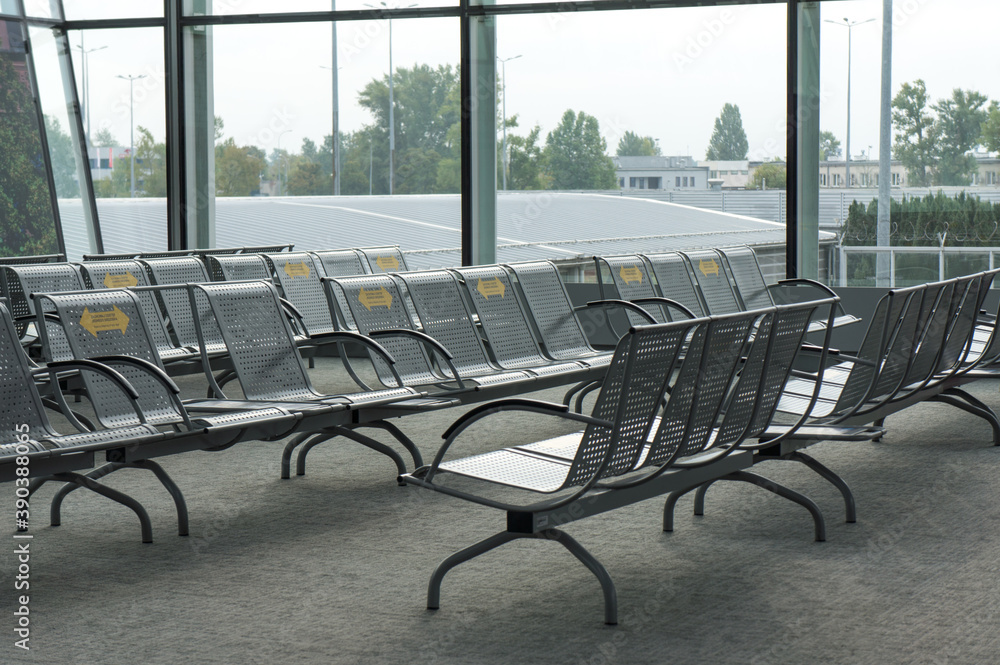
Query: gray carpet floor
[(332, 567)]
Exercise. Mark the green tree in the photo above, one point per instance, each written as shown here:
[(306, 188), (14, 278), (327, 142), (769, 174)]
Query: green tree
[(307, 179), (771, 175), (238, 169), (63, 159), (575, 154), (150, 171), (916, 135), (959, 129), (631, 144), (525, 167), (829, 146), (991, 128), (27, 222), (104, 139), (729, 141)]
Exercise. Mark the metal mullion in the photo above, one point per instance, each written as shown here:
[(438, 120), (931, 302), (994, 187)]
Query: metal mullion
[(792, 144), (111, 23), (175, 137), (465, 95)]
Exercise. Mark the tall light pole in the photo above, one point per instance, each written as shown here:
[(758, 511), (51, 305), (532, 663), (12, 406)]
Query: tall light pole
[(503, 77), (392, 122), (847, 145), (86, 81), (131, 122), (280, 190), (336, 116)]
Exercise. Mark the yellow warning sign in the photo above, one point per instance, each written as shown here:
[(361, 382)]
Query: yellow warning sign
[(709, 267), (119, 281), (631, 274), (491, 287), (95, 322), (387, 263), (299, 269), (375, 298)]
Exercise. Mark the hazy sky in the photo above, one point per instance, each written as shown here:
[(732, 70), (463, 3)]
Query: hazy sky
[(664, 73)]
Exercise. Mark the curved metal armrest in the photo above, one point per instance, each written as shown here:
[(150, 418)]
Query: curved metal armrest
[(158, 375), (426, 339), (513, 404), (345, 336), (81, 364), (619, 303), (667, 302), (800, 281), (293, 313)]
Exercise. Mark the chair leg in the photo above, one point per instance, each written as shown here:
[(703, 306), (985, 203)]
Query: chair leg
[(878, 423), (300, 461), (561, 537), (668, 508), (833, 479), (127, 501), (171, 486), (356, 437), (699, 497), (405, 441), (986, 414), (966, 402), (55, 510), (286, 454), (782, 491), (595, 566)]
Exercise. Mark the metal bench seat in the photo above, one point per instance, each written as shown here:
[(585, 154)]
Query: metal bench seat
[(662, 422)]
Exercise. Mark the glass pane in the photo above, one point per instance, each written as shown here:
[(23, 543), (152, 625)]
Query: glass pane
[(41, 8), (944, 169), (97, 9), (52, 67), (9, 7), (27, 221), (122, 116), (268, 6), (276, 141)]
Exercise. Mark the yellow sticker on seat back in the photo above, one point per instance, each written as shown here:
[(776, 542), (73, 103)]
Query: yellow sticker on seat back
[(299, 269), (375, 298), (387, 263), (95, 322), (631, 274), (491, 287), (120, 281), (709, 267)]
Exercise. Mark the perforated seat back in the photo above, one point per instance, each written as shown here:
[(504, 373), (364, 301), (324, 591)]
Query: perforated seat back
[(20, 281), (384, 259), (237, 267), (551, 309), (963, 322), (341, 262), (128, 273), (31, 260), (300, 283), (630, 398), (376, 304), (20, 405), (502, 316), (110, 323), (698, 395), (674, 280), (177, 304), (260, 343), (907, 358), (747, 277), (265, 249), (631, 279), (710, 273)]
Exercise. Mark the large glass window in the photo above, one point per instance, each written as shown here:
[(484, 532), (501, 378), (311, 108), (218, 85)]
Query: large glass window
[(101, 9), (27, 220)]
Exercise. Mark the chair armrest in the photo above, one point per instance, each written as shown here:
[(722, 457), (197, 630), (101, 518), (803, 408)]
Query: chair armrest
[(427, 340), (346, 336), (667, 302), (157, 375), (800, 281), (619, 303), (81, 365)]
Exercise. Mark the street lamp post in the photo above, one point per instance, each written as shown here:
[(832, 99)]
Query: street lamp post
[(131, 121), (503, 77), (336, 116), (847, 144), (392, 122), (280, 189), (84, 52)]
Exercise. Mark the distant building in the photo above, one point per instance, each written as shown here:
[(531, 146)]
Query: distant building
[(734, 174), (102, 160), (864, 173), (660, 173)]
